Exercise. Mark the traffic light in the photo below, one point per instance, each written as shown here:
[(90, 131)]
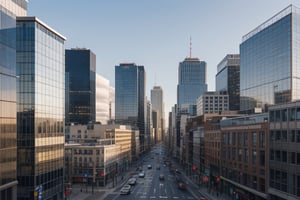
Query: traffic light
[(194, 168), (102, 174), (218, 179)]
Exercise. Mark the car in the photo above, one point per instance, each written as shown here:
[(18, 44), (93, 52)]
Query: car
[(142, 174), (202, 198), (149, 166), (158, 167), (161, 177), (132, 181), (125, 189), (181, 185)]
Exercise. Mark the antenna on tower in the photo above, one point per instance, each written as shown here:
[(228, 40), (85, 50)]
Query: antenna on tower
[(155, 79), (190, 47)]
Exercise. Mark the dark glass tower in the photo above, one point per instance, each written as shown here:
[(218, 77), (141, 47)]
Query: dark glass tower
[(40, 110), (191, 84), (270, 62), (130, 97), (8, 106), (80, 86), (228, 79)]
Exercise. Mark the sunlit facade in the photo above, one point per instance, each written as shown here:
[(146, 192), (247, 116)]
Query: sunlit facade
[(103, 100), (40, 109), (80, 86), (157, 101), (8, 132), (270, 62), (130, 97), (191, 84)]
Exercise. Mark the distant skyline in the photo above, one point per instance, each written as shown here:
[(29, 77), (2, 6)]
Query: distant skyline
[(156, 34)]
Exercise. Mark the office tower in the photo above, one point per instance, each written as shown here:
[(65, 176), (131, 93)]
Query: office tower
[(157, 101), (80, 86), (40, 110), (111, 104), (270, 64), (103, 99), (8, 134), (228, 79), (130, 97), (191, 84), (284, 173), (148, 126)]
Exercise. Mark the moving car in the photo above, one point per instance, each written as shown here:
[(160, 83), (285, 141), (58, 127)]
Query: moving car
[(132, 181), (125, 189), (142, 174), (161, 177), (149, 166), (181, 185)]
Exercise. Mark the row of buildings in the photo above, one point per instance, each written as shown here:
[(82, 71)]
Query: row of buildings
[(58, 122), (243, 138)]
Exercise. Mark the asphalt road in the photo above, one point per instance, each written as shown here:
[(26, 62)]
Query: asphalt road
[(150, 187)]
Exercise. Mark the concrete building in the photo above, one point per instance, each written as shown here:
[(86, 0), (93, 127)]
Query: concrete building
[(284, 158), (212, 102), (157, 101)]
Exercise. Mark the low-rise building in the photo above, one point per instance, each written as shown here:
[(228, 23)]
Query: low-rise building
[(244, 159)]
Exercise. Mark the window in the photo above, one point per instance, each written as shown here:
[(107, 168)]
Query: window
[(254, 157), (262, 158), (254, 139), (292, 116), (292, 136), (262, 139), (284, 156), (298, 114), (284, 115), (246, 139), (298, 136)]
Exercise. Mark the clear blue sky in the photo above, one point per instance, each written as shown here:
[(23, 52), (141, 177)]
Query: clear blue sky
[(156, 33)]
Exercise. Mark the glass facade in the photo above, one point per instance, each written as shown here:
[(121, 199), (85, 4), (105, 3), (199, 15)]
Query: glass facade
[(8, 106), (228, 79), (40, 109), (80, 86), (270, 62), (157, 101), (130, 97), (191, 82)]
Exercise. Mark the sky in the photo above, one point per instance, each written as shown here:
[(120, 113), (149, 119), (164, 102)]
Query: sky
[(156, 33)]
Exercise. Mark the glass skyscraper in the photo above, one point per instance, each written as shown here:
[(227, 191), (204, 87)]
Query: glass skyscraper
[(191, 84), (270, 62), (80, 86), (8, 130), (130, 97), (40, 110), (228, 79)]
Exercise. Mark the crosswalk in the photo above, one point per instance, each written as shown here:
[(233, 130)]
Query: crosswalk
[(165, 197)]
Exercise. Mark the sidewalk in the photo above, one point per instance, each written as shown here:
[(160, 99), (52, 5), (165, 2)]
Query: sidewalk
[(81, 192)]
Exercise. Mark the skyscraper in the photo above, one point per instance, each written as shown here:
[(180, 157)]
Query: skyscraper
[(157, 101), (191, 84), (8, 134), (80, 86), (130, 97), (270, 62), (40, 110), (103, 99), (228, 79)]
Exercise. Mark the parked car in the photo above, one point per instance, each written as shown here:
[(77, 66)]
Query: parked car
[(125, 189), (132, 181), (149, 166), (202, 198)]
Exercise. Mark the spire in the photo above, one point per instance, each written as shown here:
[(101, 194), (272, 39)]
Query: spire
[(190, 47)]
